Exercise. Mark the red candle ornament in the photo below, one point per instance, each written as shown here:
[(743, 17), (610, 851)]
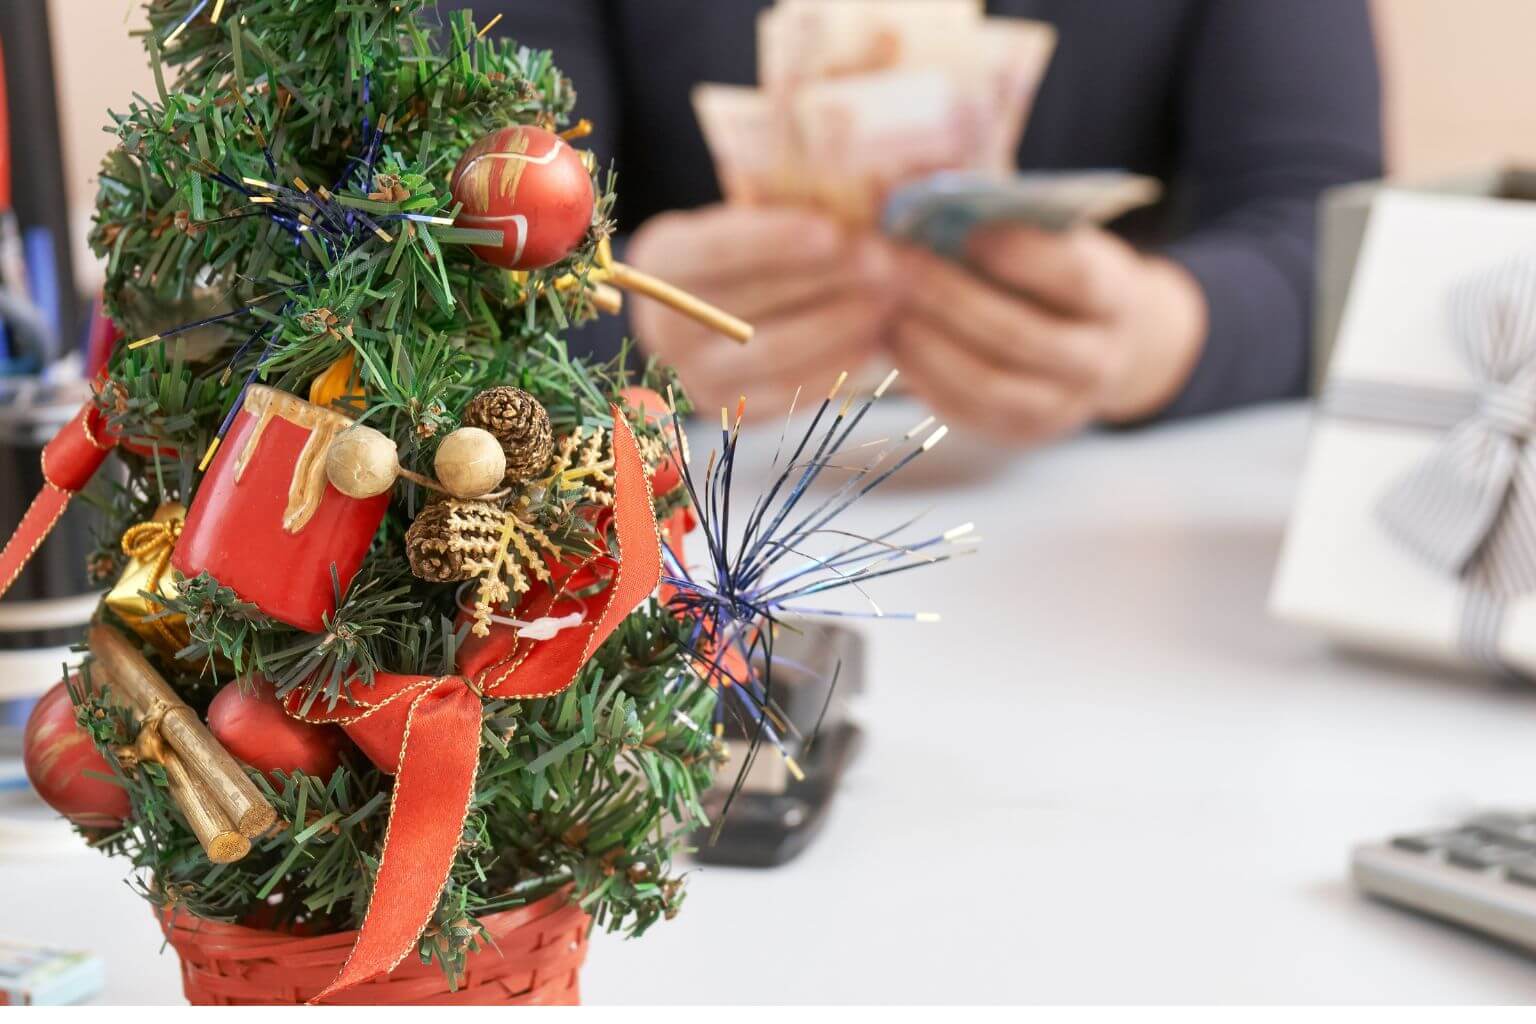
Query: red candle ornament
[(57, 753), (248, 718), (530, 185), (267, 523)]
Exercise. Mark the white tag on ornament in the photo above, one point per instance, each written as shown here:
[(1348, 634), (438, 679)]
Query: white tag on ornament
[(543, 628)]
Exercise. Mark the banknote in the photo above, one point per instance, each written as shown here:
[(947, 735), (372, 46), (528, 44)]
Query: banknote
[(859, 98), (807, 40), (940, 212), (1011, 57), (867, 134), (753, 142)]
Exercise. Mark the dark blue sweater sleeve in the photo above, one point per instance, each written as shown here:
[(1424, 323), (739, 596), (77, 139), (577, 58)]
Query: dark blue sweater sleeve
[(577, 32), (1279, 102)]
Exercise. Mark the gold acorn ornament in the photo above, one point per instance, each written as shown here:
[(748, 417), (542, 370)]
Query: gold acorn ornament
[(517, 420)]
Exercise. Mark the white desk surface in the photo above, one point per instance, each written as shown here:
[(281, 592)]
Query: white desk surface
[(1107, 776)]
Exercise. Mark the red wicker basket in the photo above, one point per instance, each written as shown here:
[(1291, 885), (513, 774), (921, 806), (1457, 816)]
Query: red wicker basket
[(533, 958)]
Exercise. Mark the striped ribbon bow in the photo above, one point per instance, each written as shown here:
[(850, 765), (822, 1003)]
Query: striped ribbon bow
[(1469, 509)]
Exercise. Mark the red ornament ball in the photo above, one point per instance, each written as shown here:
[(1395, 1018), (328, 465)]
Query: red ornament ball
[(253, 726), (530, 185), (57, 753)]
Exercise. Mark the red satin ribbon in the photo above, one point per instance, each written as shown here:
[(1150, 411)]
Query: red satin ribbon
[(69, 462), (426, 730)]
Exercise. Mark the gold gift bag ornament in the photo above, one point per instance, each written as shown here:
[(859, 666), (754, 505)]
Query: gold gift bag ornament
[(148, 547)]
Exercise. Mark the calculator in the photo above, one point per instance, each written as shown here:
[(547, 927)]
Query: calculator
[(1480, 875)]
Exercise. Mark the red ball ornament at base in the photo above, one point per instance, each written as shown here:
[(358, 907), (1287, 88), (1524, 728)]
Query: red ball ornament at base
[(57, 753), (253, 726), (530, 185)]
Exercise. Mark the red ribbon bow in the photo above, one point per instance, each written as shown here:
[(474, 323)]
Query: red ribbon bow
[(426, 730), (69, 461)]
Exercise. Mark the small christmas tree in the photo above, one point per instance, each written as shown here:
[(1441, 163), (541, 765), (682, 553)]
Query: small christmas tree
[(366, 486), (370, 106)]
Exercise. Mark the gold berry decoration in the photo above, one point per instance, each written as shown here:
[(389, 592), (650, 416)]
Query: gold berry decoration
[(362, 462), (520, 424), (470, 463)]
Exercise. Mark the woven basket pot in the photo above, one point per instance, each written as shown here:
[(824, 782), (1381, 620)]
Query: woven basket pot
[(533, 958)]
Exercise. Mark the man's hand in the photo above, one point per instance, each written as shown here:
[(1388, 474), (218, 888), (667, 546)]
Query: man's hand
[(819, 300), (1047, 332)]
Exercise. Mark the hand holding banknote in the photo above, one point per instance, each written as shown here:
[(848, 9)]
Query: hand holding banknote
[(895, 127), (1041, 332), (818, 296), (860, 97)]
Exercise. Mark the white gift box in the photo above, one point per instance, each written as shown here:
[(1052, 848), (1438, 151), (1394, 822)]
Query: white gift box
[(1343, 569)]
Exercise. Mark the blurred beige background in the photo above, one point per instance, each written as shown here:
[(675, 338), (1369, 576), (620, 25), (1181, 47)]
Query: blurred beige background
[(1459, 79)]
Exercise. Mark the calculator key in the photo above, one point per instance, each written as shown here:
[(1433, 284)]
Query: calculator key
[(1414, 844), (1508, 828)]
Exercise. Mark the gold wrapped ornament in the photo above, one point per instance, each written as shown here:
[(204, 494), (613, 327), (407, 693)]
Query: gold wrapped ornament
[(148, 547)]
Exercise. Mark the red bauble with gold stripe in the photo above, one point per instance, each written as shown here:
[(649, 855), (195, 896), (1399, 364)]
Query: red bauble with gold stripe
[(57, 753), (530, 185)]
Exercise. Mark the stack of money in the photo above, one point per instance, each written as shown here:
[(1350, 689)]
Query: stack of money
[(860, 97), (904, 115)]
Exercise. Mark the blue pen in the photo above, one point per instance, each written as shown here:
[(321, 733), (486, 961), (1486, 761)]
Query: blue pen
[(44, 282)]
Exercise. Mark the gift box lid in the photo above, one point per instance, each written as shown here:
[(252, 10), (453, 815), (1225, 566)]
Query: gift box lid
[(1340, 569), (1344, 212)]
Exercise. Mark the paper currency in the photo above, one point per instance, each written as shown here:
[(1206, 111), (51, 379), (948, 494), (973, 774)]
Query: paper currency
[(859, 98), (940, 212), (1011, 59), (757, 156), (868, 134), (806, 40)]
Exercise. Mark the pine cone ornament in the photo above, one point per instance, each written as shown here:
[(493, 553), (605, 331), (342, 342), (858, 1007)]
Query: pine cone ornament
[(453, 540), (520, 423)]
